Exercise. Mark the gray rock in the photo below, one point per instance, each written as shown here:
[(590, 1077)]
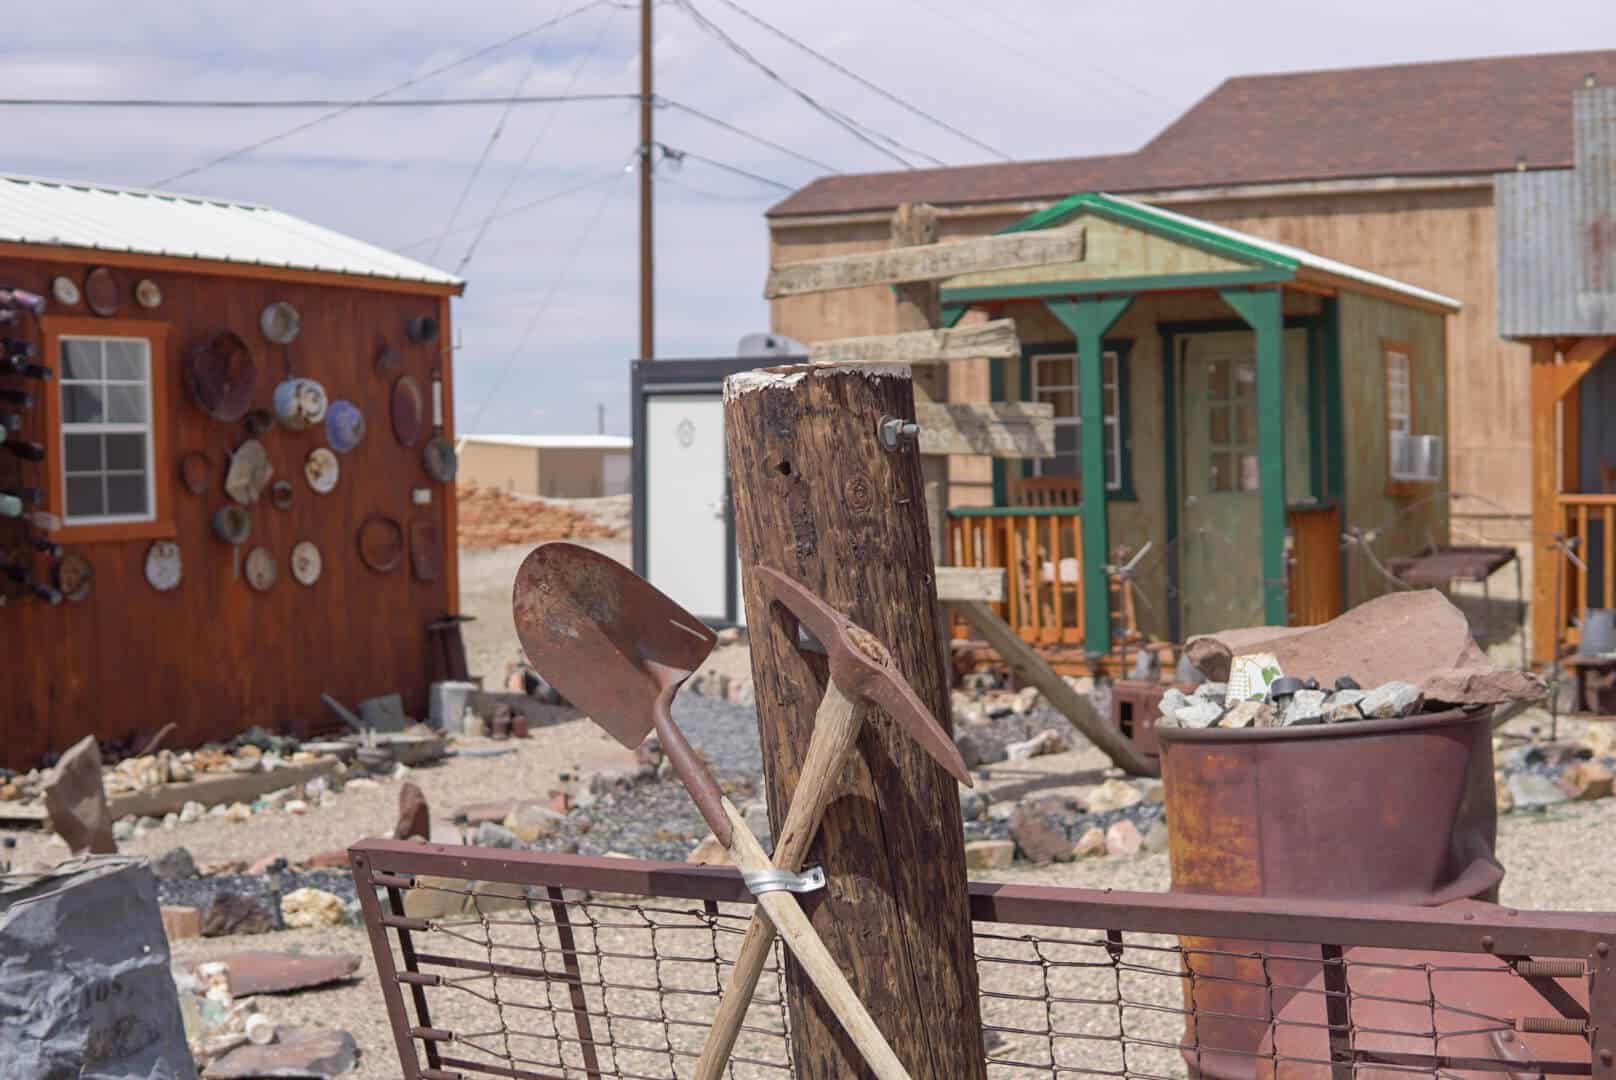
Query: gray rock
[(1244, 714), (980, 747), (1199, 713), (1000, 709), (1212, 691), (1305, 707), (1146, 666), (1343, 706), (1048, 741), (1390, 700), (174, 864), (1173, 700), (1001, 811), (123, 830), (238, 913), (969, 714), (973, 804), (1530, 790), (1038, 828), (192, 812), (302, 1053), (490, 834)]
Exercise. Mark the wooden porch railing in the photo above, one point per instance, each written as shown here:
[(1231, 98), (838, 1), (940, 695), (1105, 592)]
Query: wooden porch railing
[(1041, 550), (1591, 521)]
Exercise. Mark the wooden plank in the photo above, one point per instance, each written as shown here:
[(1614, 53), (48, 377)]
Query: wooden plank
[(1028, 665), (1547, 517), (21, 813), (994, 340), (1003, 429), (211, 789), (927, 262), (984, 583)]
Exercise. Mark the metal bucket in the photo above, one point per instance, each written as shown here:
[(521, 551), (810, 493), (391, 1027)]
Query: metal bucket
[(1598, 636), (1390, 811)]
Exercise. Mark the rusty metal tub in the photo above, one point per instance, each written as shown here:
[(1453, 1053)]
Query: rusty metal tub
[(1391, 811)]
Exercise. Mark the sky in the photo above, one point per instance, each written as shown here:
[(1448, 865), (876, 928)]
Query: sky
[(543, 197)]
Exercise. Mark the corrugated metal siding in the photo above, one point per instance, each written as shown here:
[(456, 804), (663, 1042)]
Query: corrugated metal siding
[(1538, 262), (1594, 113), (50, 212)]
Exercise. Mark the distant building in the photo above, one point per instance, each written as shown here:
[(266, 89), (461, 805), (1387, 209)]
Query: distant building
[(559, 466)]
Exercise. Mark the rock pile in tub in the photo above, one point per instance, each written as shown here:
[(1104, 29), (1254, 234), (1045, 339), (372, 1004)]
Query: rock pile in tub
[(1287, 702)]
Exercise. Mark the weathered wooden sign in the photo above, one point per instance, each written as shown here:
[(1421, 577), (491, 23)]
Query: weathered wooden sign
[(996, 339), (1006, 429), (964, 583), (927, 262)]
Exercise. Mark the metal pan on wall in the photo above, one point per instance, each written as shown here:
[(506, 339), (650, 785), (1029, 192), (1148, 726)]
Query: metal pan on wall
[(321, 470), (439, 460), (221, 375), (232, 524), (163, 566), (426, 552), (306, 562), (344, 426), (261, 569), (408, 421), (421, 329), (74, 576), (381, 543), (101, 291), (148, 295), (280, 322), (196, 472)]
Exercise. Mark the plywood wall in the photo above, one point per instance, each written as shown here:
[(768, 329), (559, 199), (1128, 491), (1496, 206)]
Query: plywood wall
[(214, 656)]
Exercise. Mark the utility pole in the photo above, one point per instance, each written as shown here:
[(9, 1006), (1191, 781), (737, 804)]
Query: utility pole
[(647, 274), (600, 419)]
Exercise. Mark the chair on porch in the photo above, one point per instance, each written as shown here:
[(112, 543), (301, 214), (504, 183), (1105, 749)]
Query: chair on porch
[(1045, 491)]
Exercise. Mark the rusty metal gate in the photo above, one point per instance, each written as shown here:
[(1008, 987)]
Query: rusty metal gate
[(554, 967)]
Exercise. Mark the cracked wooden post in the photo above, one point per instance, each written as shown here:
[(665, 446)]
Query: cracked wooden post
[(818, 497)]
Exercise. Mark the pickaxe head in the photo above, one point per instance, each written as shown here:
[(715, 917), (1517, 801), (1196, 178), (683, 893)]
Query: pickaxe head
[(864, 671)]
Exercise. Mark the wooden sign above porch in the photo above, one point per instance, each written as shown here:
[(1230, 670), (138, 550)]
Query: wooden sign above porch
[(993, 340), (928, 262), (1004, 429)]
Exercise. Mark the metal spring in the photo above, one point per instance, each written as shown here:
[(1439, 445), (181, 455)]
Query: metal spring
[(1553, 969), (1551, 1025)]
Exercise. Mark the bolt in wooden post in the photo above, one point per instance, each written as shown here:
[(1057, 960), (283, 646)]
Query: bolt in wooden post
[(816, 496)]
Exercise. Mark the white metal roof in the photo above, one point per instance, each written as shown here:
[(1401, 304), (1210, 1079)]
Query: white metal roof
[(68, 214), (555, 442)]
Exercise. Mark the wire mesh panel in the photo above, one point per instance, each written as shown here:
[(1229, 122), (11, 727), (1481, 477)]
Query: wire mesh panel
[(547, 967)]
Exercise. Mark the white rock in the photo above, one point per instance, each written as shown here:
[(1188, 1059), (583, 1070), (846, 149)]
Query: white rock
[(1199, 713), (192, 811), (1390, 700), (1343, 707), (238, 812), (304, 908), (171, 820), (296, 806), (1026, 700), (1305, 707), (1048, 741), (1244, 714), (1111, 795), (363, 783)]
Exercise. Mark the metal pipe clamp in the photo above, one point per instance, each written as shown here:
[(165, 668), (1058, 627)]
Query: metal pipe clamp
[(776, 880)]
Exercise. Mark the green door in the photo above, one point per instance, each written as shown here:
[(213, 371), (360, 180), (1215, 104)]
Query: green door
[(1220, 528)]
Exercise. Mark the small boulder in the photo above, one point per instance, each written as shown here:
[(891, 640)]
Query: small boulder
[(1585, 781), (709, 853), (192, 812), (1600, 740), (414, 815), (237, 913), (1244, 714), (77, 802), (1200, 712), (312, 908), (1531, 791), (238, 813), (1048, 741), (1090, 844), (529, 822), (973, 804), (1157, 838), (175, 864), (989, 854), (1172, 700), (1343, 706), (1025, 701), (490, 834), (1123, 838), (979, 747), (1390, 700), (1305, 707), (1114, 794), (1038, 829), (300, 1052)]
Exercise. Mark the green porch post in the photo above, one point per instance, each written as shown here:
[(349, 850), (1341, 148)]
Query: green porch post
[(1264, 313), (1089, 318)]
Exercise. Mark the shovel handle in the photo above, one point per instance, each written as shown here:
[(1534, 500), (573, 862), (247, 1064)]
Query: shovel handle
[(836, 729), (812, 956), (692, 770)]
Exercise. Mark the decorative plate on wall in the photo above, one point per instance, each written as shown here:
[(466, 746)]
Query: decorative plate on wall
[(344, 426), (148, 295), (407, 411), (439, 460), (261, 569), (221, 375), (306, 562), (65, 291), (320, 469), (74, 575), (232, 524), (196, 472), (280, 494), (101, 291), (381, 543), (280, 322), (163, 570)]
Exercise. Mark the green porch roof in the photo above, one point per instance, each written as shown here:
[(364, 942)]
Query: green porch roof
[(1261, 261)]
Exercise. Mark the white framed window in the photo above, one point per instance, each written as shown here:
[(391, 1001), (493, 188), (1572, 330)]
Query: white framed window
[(1399, 392), (106, 452), (1055, 382)]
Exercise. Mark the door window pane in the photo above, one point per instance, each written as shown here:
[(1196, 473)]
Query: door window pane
[(126, 494)]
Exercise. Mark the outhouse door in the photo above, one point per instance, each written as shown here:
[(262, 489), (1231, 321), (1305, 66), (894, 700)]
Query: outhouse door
[(689, 553)]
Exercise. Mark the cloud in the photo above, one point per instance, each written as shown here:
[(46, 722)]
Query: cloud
[(1035, 78)]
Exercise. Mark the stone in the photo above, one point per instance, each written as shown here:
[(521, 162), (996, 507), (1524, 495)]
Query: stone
[(1390, 700), (299, 807), (477, 813), (1250, 713), (235, 913), (175, 864), (1123, 838), (1342, 707), (269, 864), (296, 1054), (171, 821), (414, 815), (1025, 701), (363, 783), (1048, 741), (973, 804), (1305, 707), (123, 830), (1600, 739), (1090, 844), (709, 853), (1199, 713), (1038, 830), (532, 821), (253, 973), (1154, 791), (1585, 781), (1172, 700), (76, 801), (192, 812), (1146, 666), (1212, 691), (1100, 697), (980, 747), (490, 834), (180, 923), (1556, 755), (613, 781), (1185, 670), (238, 812), (1157, 838), (1505, 801), (989, 854), (312, 908), (1531, 791), (1114, 794), (335, 859)]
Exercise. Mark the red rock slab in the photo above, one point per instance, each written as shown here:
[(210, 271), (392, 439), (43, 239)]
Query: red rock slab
[(303, 1053), (277, 973)]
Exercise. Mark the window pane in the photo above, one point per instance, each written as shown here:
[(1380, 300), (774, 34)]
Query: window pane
[(126, 494), (126, 404), (1109, 401), (1245, 424), (81, 359), (1064, 401), (82, 404), (1220, 472), (1060, 465), (82, 453), (126, 359), (1248, 472), (84, 497), (1217, 375), (126, 452), (1054, 371), (1066, 439), (1113, 469)]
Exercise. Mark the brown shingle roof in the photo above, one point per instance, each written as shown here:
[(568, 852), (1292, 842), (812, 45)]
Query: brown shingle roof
[(1451, 118)]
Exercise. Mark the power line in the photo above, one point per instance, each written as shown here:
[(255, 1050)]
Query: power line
[(532, 147), (716, 196), (523, 207), (760, 140), (562, 275), (859, 131), (675, 155), (862, 81), (346, 104), (343, 110)]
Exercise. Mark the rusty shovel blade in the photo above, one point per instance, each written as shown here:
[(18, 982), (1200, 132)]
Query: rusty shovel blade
[(606, 638)]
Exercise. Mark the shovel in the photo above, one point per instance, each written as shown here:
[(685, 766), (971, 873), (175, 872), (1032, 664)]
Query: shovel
[(619, 649)]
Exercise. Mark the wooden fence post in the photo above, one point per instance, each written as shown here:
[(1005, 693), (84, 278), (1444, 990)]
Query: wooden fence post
[(818, 497)]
